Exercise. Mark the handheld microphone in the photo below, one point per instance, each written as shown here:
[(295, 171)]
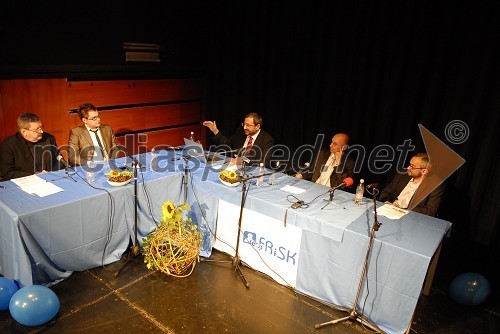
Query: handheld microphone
[(372, 185), (348, 181)]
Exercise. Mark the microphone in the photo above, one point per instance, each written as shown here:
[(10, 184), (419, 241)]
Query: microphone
[(64, 162), (372, 185), (348, 181), (134, 160)]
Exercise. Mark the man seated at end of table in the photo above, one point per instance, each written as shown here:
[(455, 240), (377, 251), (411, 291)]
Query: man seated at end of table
[(417, 190), (29, 151)]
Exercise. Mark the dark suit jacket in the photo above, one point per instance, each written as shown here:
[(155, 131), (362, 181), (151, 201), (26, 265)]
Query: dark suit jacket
[(343, 170), (424, 200), (16, 158), (261, 148), (80, 143)]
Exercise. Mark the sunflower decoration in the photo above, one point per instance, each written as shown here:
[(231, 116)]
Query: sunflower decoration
[(174, 247), (229, 176)]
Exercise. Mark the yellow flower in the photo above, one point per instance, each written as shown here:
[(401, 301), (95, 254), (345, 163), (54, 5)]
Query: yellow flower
[(168, 209)]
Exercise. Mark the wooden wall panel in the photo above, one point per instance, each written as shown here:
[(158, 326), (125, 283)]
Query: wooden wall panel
[(2, 125), (160, 116), (103, 93), (171, 89), (44, 97)]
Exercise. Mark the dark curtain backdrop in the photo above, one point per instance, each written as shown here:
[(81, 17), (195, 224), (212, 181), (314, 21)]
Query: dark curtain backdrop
[(374, 70)]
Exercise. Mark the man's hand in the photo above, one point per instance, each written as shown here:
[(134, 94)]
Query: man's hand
[(212, 126), (298, 176)]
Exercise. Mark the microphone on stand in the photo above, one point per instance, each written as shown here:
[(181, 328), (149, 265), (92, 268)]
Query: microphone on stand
[(65, 164), (134, 160), (60, 158), (348, 181)]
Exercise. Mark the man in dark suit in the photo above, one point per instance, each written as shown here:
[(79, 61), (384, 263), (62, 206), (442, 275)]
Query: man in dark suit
[(251, 140), (92, 140), (417, 190), (29, 151), (332, 166)]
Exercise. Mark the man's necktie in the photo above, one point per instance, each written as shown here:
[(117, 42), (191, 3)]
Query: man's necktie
[(103, 151), (249, 145)]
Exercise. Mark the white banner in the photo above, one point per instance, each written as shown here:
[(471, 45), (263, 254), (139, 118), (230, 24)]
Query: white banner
[(266, 244)]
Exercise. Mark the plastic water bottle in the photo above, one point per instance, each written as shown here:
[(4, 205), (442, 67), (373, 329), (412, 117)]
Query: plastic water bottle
[(260, 179), (191, 136), (105, 167), (153, 163), (360, 191), (90, 174), (272, 179)]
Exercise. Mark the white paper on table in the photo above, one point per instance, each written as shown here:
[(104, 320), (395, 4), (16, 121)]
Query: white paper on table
[(391, 212), (35, 185), (293, 190)]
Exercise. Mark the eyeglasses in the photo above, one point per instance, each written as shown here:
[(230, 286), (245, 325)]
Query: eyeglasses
[(94, 118), (247, 125), (413, 167), (38, 130)]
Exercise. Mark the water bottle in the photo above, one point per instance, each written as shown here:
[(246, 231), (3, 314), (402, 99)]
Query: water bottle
[(272, 179), (360, 190), (153, 163), (260, 179), (90, 174), (105, 167), (191, 136)]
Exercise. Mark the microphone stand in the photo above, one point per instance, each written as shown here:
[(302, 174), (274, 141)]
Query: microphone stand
[(330, 200), (185, 177), (353, 314), (135, 249), (236, 261)]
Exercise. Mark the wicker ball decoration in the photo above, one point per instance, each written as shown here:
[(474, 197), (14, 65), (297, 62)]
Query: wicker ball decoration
[(174, 247)]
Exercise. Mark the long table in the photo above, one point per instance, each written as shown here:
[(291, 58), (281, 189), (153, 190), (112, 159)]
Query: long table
[(319, 252)]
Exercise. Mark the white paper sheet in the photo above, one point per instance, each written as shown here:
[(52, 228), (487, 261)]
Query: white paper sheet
[(391, 212), (293, 190), (36, 186)]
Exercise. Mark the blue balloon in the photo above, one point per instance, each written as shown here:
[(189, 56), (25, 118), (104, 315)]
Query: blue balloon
[(34, 305), (469, 289), (7, 289)]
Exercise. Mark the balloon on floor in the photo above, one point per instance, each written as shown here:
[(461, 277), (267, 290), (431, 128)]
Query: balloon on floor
[(7, 289), (469, 289), (34, 305)]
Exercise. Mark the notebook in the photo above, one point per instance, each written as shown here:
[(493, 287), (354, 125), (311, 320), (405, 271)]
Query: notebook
[(195, 150)]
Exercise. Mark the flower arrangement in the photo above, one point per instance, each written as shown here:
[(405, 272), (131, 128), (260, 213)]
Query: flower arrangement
[(174, 247)]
